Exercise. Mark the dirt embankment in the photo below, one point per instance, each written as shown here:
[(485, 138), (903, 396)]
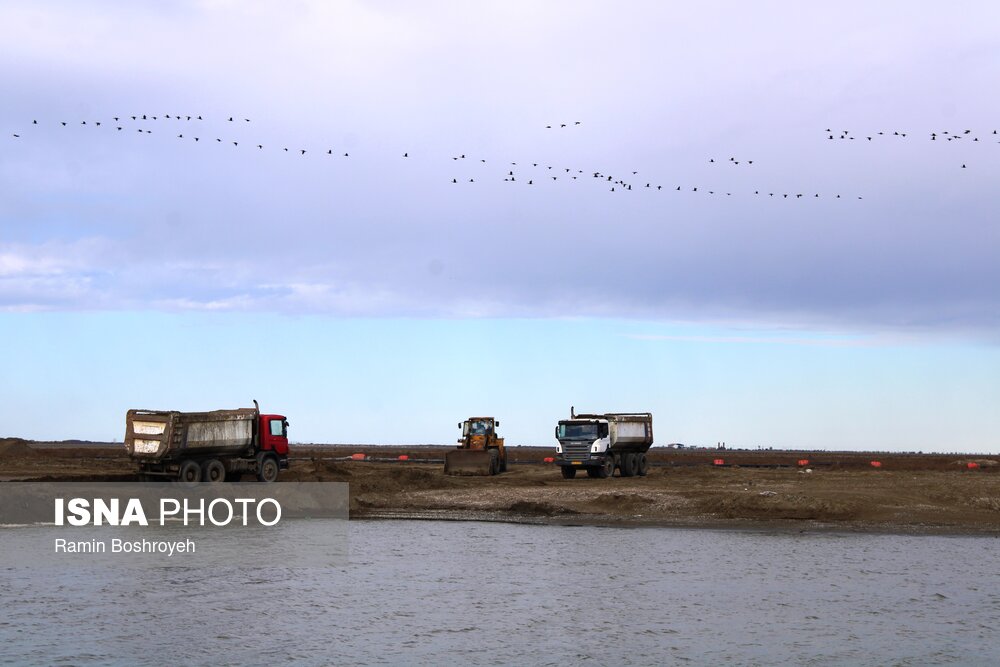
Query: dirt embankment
[(908, 493)]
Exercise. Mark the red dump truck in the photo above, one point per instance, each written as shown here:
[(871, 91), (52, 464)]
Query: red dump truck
[(217, 446)]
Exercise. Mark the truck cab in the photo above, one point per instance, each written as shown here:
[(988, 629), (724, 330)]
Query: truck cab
[(583, 440), (273, 430)]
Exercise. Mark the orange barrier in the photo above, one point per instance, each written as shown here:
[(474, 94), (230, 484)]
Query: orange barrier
[(719, 462), (404, 457), (358, 457), (549, 459), (971, 465), (803, 462), (876, 464)]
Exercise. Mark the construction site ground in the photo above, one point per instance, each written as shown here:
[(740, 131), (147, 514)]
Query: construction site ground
[(758, 489)]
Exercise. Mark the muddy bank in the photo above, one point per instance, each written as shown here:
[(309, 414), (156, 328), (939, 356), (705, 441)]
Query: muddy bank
[(943, 496)]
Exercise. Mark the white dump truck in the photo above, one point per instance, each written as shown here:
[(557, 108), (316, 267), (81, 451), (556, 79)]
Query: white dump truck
[(601, 443)]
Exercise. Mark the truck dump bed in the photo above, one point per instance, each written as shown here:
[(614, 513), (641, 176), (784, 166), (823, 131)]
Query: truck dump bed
[(630, 431), (157, 434)]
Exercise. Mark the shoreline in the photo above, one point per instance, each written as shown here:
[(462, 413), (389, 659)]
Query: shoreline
[(908, 496), (786, 526)]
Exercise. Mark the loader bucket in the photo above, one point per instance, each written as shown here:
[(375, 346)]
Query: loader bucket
[(470, 462)]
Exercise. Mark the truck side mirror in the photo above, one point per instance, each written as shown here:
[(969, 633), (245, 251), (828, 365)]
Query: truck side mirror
[(497, 424), (460, 424)]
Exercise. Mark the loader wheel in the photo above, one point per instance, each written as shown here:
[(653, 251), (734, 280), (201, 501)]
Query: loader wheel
[(494, 463), (190, 472), (643, 465), (213, 471), (503, 464), (268, 471), (568, 472)]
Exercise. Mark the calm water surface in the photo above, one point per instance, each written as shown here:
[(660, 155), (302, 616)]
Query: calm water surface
[(501, 594)]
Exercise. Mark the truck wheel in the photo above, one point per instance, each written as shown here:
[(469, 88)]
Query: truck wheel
[(630, 464), (608, 469), (568, 472), (268, 471), (190, 472), (643, 465), (625, 465), (213, 471)]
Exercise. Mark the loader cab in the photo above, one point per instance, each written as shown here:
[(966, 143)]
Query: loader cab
[(274, 434), (478, 426)]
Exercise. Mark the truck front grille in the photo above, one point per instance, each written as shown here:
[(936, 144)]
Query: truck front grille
[(574, 451)]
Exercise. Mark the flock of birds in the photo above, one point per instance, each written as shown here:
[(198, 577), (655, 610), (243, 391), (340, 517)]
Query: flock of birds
[(966, 135), (193, 128)]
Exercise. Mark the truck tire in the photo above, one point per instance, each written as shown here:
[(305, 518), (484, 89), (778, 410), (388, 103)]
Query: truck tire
[(268, 470), (643, 465), (608, 469), (190, 472), (629, 464), (213, 470), (568, 472)]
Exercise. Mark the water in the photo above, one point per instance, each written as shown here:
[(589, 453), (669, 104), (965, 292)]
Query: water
[(499, 594)]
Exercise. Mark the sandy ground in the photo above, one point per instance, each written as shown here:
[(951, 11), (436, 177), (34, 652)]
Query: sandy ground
[(913, 494)]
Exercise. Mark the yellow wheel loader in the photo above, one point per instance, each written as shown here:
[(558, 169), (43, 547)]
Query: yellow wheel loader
[(479, 452)]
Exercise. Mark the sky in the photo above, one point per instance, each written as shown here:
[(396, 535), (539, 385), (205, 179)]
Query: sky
[(769, 223)]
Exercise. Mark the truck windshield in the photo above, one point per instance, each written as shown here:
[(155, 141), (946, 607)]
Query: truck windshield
[(578, 431)]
